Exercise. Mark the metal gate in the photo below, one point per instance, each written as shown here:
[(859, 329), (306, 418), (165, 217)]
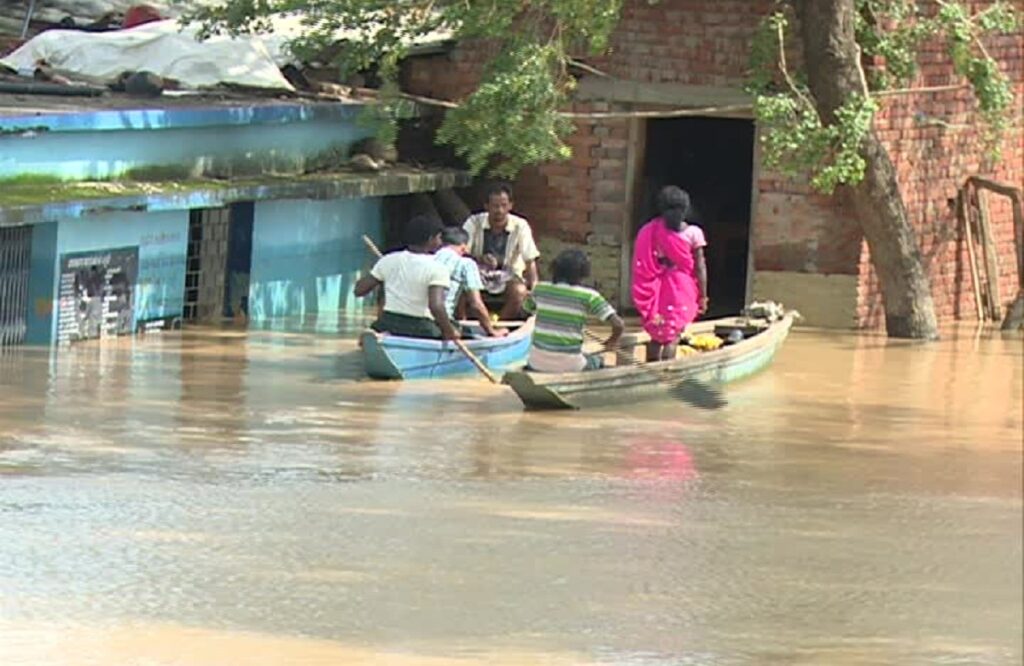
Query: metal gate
[(206, 263), (15, 259)]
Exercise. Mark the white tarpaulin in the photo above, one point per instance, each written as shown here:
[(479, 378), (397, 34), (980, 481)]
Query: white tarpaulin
[(163, 48)]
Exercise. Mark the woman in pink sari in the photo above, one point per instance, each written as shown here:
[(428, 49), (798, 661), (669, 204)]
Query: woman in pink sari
[(670, 282)]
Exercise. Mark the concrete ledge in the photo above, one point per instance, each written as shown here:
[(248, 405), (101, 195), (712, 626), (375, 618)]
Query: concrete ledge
[(77, 200), (825, 301), (180, 113), (592, 88)]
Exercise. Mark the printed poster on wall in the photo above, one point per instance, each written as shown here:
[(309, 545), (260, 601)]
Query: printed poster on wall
[(96, 294)]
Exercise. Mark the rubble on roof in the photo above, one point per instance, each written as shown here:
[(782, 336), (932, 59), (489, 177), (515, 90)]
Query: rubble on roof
[(162, 48), (105, 48)]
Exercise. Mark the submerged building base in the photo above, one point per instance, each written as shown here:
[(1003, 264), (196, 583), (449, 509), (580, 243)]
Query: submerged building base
[(154, 254)]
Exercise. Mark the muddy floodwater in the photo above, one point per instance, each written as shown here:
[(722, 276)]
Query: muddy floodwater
[(220, 497)]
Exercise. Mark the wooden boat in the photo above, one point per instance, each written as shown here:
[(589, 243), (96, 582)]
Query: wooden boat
[(394, 357), (628, 382)]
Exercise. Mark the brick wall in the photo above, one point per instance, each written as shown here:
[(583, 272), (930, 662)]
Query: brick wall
[(933, 160), (696, 42), (584, 201)]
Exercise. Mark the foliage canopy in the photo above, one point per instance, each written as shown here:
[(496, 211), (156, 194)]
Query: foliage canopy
[(512, 118), (798, 141)]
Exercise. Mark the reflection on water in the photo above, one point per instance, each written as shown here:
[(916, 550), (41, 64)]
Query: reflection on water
[(175, 499)]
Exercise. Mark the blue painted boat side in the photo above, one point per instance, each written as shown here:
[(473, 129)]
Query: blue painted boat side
[(392, 357)]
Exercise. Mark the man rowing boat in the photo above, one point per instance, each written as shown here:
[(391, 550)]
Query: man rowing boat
[(414, 286)]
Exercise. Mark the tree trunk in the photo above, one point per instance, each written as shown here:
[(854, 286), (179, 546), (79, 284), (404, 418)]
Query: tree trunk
[(832, 60)]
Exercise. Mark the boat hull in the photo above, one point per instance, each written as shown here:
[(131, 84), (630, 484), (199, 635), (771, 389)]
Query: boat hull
[(394, 357), (630, 383)]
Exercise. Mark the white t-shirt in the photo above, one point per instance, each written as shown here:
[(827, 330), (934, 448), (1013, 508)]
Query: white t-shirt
[(407, 277)]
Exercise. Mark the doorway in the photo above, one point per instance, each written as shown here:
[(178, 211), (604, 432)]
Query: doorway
[(713, 160), (218, 262)]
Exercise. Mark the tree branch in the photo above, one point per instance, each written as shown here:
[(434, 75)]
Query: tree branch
[(785, 70), (577, 115)]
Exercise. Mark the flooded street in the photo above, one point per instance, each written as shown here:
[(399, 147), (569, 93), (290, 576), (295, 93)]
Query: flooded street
[(214, 497)]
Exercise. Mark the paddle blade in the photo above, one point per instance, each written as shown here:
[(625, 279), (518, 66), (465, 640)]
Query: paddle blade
[(698, 394)]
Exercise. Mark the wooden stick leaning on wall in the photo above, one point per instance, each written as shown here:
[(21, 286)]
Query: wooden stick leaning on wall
[(988, 247), (964, 218), (986, 256), (1015, 314), (477, 363)]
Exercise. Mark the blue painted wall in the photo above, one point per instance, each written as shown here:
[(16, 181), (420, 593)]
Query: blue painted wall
[(42, 284), (106, 154), (307, 255), (162, 239)]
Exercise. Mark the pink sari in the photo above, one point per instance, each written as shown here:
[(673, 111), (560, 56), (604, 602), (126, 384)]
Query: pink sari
[(665, 287)]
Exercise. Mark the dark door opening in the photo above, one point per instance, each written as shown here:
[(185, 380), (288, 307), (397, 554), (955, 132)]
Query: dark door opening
[(712, 159), (218, 262), (239, 260)]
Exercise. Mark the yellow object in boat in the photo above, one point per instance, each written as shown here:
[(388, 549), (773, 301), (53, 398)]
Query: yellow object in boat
[(705, 342)]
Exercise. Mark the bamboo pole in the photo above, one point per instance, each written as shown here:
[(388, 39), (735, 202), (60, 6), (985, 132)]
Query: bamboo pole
[(988, 245), (961, 213), (1015, 196)]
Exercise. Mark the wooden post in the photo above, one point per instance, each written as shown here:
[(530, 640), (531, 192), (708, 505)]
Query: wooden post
[(635, 155), (988, 244), (1015, 315), (961, 213)]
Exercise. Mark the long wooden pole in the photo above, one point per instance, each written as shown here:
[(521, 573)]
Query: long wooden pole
[(477, 363), (375, 251), (961, 212), (995, 301), (1015, 314)]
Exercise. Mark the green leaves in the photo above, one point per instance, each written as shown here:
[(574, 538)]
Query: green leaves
[(512, 119), (794, 139)]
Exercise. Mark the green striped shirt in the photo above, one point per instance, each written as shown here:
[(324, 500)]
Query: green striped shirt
[(562, 311)]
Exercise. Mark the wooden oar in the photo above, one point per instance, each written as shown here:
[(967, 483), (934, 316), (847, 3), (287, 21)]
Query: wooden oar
[(477, 363), (695, 392), (375, 251), (372, 246)]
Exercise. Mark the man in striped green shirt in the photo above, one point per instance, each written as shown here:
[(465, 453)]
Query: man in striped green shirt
[(562, 307)]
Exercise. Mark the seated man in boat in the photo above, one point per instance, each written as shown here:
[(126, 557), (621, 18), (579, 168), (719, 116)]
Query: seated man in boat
[(465, 279), (502, 243), (414, 285), (562, 307)]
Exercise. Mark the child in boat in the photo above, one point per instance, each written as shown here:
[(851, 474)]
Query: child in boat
[(562, 307), (465, 279), (414, 285)]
